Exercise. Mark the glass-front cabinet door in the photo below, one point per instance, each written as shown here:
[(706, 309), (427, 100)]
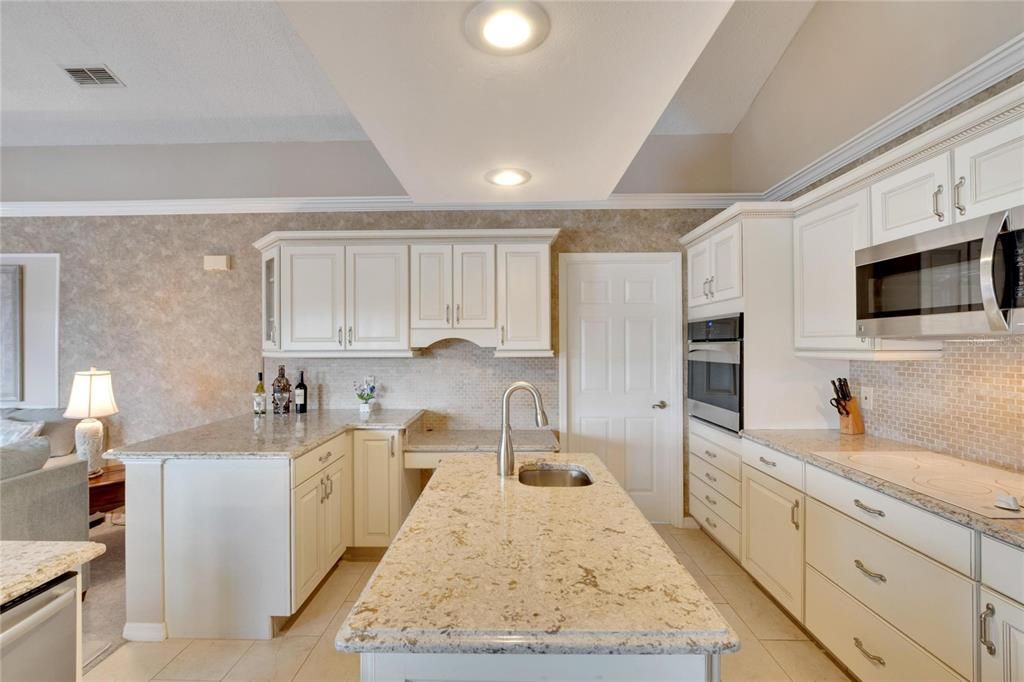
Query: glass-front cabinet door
[(271, 329)]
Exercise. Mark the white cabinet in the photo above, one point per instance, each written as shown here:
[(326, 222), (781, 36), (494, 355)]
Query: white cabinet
[(1001, 640), (312, 297), (317, 522), (989, 172), (913, 200), (524, 297), (270, 295), (377, 297), (473, 285), (431, 279), (383, 489), (715, 267), (773, 538)]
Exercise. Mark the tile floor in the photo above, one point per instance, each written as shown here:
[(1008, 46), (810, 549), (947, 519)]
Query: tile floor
[(774, 648)]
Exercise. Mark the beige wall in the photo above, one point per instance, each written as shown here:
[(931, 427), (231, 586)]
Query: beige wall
[(850, 65), (680, 163), (183, 344)]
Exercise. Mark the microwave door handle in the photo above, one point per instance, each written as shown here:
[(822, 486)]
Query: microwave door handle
[(996, 321)]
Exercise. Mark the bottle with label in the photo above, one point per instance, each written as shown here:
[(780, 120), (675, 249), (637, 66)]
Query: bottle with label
[(282, 389), (300, 394), (259, 396)]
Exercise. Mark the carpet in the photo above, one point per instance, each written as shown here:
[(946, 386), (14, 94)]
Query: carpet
[(103, 612)]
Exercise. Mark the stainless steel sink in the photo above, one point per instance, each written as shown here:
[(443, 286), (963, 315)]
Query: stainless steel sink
[(548, 477)]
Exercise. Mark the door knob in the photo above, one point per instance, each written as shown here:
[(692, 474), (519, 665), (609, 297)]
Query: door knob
[(660, 405)]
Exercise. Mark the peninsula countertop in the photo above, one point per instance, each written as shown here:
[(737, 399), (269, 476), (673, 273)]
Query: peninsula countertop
[(489, 565), (480, 440), (815, 445), (268, 436), (27, 564)]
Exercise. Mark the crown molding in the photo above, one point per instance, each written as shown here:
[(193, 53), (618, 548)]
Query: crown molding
[(26, 209), (987, 71)]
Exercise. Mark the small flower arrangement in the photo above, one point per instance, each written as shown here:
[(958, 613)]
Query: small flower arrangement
[(365, 391)]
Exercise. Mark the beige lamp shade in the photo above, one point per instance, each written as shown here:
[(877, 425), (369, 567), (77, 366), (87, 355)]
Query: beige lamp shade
[(92, 395)]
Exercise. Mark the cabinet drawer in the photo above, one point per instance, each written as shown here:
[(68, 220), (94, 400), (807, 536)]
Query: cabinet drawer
[(945, 541), (840, 622), (1002, 567), (316, 459), (716, 478), (785, 468), (716, 501), (715, 526), (927, 601), (726, 460)]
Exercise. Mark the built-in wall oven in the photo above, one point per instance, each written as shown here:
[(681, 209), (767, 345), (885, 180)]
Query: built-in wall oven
[(966, 279), (715, 371)]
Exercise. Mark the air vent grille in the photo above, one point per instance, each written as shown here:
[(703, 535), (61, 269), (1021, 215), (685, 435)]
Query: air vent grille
[(93, 76)]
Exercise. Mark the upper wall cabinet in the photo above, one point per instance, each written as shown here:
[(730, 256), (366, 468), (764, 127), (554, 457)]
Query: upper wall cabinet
[(715, 267), (914, 200), (989, 172), (383, 294)]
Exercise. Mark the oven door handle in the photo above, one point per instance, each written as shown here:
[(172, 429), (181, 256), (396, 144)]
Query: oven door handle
[(996, 321), (728, 352)]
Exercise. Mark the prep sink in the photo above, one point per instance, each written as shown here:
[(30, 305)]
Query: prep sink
[(549, 477)]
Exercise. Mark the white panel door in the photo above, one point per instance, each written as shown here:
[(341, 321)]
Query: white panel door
[(824, 283), (914, 200), (377, 297), (524, 297), (726, 263), (374, 490), (431, 295), (474, 282), (307, 543), (312, 297), (623, 353), (698, 273), (1004, 626), (334, 516), (989, 172)]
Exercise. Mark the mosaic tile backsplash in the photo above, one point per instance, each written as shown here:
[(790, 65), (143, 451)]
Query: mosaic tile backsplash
[(969, 402)]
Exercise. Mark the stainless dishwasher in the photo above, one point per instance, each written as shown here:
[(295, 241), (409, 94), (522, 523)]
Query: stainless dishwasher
[(39, 633)]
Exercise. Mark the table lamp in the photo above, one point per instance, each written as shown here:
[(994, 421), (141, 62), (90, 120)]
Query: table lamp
[(92, 396)]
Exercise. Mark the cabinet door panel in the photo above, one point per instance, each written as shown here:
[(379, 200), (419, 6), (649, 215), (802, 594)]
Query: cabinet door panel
[(334, 537), (904, 203), (698, 273), (271, 298), (726, 263), (1005, 629), (377, 297), (312, 297), (990, 171), (524, 297), (431, 294), (773, 537), (824, 286), (474, 282), (374, 489), (306, 538)]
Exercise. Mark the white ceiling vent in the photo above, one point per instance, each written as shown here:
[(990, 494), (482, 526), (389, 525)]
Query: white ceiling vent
[(93, 76)]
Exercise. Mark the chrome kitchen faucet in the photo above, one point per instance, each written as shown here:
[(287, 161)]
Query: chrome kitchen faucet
[(506, 457)]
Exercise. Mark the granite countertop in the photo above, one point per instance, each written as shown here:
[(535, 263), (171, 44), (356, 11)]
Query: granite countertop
[(27, 564), (270, 436), (489, 565), (812, 444), (481, 440)]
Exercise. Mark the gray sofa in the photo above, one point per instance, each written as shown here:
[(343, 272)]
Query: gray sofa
[(48, 503)]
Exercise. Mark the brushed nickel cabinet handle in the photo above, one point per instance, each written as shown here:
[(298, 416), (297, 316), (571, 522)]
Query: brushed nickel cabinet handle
[(871, 574), (341, 340), (935, 204), (458, 313), (710, 500), (767, 462), (710, 477), (324, 458), (330, 487), (870, 510), (323, 491), (867, 654), (983, 635), (350, 335), (502, 335), (447, 312), (706, 294), (710, 454), (710, 522), (957, 204), (794, 514), (391, 445), (711, 286)]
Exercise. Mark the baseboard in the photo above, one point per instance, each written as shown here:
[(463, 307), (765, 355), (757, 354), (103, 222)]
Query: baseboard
[(145, 632)]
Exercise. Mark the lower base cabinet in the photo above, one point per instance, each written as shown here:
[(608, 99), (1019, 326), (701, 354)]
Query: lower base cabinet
[(1001, 639), (318, 538), (384, 490), (773, 538)]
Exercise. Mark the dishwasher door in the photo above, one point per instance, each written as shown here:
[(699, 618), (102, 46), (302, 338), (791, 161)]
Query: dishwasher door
[(39, 633)]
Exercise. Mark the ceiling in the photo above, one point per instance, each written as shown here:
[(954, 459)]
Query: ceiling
[(574, 112)]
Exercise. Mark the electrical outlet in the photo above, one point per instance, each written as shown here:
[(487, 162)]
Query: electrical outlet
[(867, 397)]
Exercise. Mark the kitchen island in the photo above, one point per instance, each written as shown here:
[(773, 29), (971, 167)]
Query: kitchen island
[(574, 581)]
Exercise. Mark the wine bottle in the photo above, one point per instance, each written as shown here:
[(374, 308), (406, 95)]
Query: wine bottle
[(259, 396), (300, 394)]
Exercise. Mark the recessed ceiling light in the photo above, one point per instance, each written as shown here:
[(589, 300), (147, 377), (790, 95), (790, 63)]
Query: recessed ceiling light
[(507, 177), (507, 27)]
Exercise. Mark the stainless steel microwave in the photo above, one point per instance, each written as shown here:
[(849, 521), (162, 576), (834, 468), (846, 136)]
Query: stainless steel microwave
[(966, 279)]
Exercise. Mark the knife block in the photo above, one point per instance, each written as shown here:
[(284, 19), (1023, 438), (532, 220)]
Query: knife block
[(854, 423)]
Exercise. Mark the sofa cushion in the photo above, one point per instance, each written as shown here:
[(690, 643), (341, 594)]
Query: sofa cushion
[(59, 430), (14, 431), (23, 456)]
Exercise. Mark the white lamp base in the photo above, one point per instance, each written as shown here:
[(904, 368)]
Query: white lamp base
[(89, 444)]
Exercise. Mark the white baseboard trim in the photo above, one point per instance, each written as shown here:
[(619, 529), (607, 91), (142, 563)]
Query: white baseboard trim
[(145, 632)]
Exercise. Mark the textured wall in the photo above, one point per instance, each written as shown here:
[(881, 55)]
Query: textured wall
[(970, 402), (183, 344)]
